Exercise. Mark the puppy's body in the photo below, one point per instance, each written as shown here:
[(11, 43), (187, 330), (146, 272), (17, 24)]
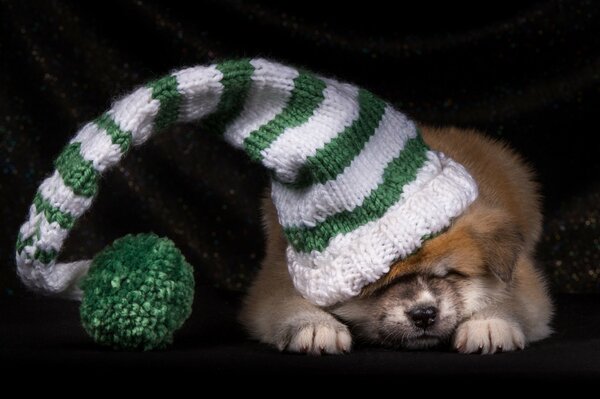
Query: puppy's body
[(475, 285)]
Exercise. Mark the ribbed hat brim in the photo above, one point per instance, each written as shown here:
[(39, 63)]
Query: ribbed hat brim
[(442, 191)]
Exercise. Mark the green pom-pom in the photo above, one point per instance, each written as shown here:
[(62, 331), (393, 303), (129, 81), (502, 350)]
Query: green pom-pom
[(137, 293)]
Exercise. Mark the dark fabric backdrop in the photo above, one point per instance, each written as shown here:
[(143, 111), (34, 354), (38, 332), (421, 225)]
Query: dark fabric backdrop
[(527, 73)]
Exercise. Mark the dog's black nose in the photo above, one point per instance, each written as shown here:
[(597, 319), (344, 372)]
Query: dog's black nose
[(423, 316)]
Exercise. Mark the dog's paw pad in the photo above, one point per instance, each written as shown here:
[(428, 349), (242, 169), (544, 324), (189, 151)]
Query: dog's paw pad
[(315, 337), (488, 336)]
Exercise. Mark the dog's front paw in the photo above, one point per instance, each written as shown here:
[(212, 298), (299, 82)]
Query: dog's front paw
[(488, 336), (314, 334)]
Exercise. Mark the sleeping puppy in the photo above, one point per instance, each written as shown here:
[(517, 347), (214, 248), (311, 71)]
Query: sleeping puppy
[(475, 286)]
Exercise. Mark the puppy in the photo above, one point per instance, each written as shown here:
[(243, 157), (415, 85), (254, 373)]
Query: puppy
[(475, 286)]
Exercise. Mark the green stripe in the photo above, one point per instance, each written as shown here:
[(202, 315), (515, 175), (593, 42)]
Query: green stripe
[(118, 136), (52, 214), (331, 160), (41, 255), (21, 244), (165, 91), (305, 98), (45, 256), (236, 81), (77, 173), (400, 171)]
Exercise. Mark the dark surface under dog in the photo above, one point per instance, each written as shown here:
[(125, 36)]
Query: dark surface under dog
[(43, 332)]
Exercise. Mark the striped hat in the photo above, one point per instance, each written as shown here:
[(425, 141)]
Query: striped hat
[(355, 186)]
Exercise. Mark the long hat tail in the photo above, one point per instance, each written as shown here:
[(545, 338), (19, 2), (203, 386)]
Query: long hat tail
[(215, 93), (354, 184)]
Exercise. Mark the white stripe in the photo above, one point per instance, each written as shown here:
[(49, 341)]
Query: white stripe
[(97, 147), (60, 196), (52, 278), (200, 88), (59, 278), (269, 92), (28, 228), (52, 235), (353, 260), (135, 113), (336, 112), (365, 173)]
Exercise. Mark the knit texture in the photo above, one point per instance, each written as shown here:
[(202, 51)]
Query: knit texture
[(355, 186), (137, 293)]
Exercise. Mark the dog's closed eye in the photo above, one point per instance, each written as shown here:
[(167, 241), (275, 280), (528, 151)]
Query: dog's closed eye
[(446, 270), (453, 273)]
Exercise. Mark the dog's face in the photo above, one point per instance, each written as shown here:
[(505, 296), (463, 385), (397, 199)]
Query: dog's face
[(418, 310), (422, 300)]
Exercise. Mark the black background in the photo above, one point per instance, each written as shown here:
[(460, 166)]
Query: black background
[(525, 72)]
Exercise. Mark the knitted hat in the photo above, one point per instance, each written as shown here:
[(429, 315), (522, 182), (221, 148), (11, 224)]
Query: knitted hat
[(355, 186)]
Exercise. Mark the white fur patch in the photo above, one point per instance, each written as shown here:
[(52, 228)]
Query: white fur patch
[(488, 336), (445, 309), (425, 298), (315, 333), (474, 296), (397, 315)]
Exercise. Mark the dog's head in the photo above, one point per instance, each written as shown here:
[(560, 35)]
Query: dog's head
[(424, 297)]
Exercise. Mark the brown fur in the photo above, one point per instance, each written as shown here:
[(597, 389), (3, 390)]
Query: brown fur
[(490, 245), (503, 223)]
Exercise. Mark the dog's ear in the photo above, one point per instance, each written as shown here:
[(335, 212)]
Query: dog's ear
[(500, 248)]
